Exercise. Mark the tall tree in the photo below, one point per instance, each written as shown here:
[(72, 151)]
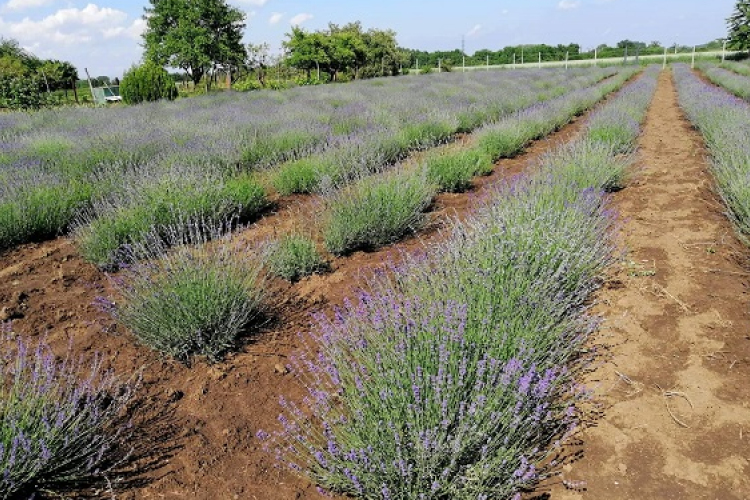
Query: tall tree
[(195, 35), (739, 26)]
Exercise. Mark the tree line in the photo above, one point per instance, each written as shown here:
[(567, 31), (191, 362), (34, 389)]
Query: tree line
[(26, 81)]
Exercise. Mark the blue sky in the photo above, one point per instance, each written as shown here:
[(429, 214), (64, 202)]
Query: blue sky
[(104, 35)]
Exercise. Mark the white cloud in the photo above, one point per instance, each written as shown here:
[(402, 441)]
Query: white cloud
[(276, 18), (26, 4), (568, 4), (70, 26), (300, 18), (473, 31), (257, 3)]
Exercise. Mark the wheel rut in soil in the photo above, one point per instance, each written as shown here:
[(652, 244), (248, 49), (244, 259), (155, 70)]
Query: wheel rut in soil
[(672, 384)]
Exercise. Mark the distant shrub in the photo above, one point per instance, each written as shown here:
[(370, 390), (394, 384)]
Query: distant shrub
[(293, 256), (23, 92), (247, 83), (194, 299), (57, 432), (376, 210), (453, 171), (147, 82)]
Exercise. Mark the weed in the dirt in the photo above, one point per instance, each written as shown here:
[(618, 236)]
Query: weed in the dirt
[(58, 432), (192, 296), (376, 210), (293, 256)]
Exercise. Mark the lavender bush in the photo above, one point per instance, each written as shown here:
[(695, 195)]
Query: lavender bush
[(153, 201), (195, 299), (376, 210), (293, 256), (452, 171), (59, 432), (413, 407)]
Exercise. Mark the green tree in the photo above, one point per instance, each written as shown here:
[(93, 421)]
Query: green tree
[(739, 26), (307, 51), (195, 35), (148, 82)]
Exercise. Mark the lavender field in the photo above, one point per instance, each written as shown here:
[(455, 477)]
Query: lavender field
[(453, 374)]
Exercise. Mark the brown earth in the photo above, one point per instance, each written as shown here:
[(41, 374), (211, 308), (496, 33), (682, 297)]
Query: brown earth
[(673, 383), (214, 411)]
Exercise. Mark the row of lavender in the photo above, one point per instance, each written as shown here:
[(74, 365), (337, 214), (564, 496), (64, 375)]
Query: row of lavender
[(152, 196), (56, 163), (733, 76), (380, 209), (190, 301), (453, 375), (724, 120)]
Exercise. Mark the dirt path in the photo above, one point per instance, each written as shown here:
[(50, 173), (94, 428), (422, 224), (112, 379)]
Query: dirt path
[(674, 387)]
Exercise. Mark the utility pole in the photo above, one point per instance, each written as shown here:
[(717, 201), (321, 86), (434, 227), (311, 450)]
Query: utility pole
[(540, 60), (692, 64), (724, 51), (567, 55), (664, 64), (514, 60), (463, 53), (596, 55)]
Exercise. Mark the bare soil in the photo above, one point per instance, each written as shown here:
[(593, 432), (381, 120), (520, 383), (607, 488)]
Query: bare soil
[(671, 418), (214, 411)]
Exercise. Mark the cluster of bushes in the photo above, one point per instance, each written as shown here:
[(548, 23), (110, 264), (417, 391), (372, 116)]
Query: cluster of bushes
[(454, 375), (722, 119)]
